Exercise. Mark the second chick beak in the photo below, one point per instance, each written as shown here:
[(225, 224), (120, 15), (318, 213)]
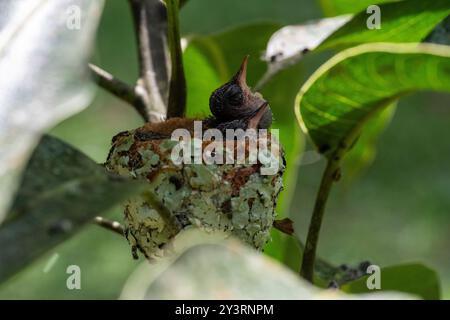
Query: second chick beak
[(255, 120)]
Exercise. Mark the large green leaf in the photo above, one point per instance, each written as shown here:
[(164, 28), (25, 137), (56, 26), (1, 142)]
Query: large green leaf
[(225, 270), (62, 190), (415, 279), (354, 85), (290, 43), (404, 21), (43, 75), (394, 17)]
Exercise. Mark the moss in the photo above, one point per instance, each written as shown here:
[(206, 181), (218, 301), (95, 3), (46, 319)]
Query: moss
[(236, 199)]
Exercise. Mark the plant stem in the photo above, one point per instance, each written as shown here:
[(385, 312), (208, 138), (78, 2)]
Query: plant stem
[(120, 89), (177, 89), (110, 225), (150, 21), (330, 175)]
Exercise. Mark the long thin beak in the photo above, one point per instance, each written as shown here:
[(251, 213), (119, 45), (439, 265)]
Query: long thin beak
[(254, 121), (241, 75)]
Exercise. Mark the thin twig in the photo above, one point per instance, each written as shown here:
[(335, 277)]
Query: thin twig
[(330, 175), (265, 78), (120, 89), (110, 225), (150, 21), (177, 90)]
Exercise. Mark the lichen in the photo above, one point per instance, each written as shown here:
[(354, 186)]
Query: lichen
[(234, 198)]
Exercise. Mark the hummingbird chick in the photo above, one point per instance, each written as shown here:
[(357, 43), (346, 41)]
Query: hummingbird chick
[(235, 101), (233, 106)]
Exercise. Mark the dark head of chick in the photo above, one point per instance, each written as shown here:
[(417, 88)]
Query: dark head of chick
[(235, 105)]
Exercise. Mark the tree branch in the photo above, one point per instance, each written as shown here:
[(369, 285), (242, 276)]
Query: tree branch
[(177, 90), (330, 175), (120, 89), (150, 21), (266, 77), (110, 225)]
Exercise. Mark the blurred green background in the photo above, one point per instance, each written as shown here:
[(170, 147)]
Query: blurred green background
[(397, 210)]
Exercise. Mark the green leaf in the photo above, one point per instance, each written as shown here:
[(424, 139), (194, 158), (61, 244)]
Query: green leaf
[(415, 279), (354, 85), (224, 270), (394, 16), (43, 75), (336, 7), (61, 191), (404, 21)]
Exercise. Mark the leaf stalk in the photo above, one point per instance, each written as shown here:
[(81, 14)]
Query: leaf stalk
[(330, 175)]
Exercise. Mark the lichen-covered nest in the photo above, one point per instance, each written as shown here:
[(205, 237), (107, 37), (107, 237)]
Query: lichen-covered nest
[(236, 199)]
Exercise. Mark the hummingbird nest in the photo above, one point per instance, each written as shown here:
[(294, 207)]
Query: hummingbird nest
[(236, 198)]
